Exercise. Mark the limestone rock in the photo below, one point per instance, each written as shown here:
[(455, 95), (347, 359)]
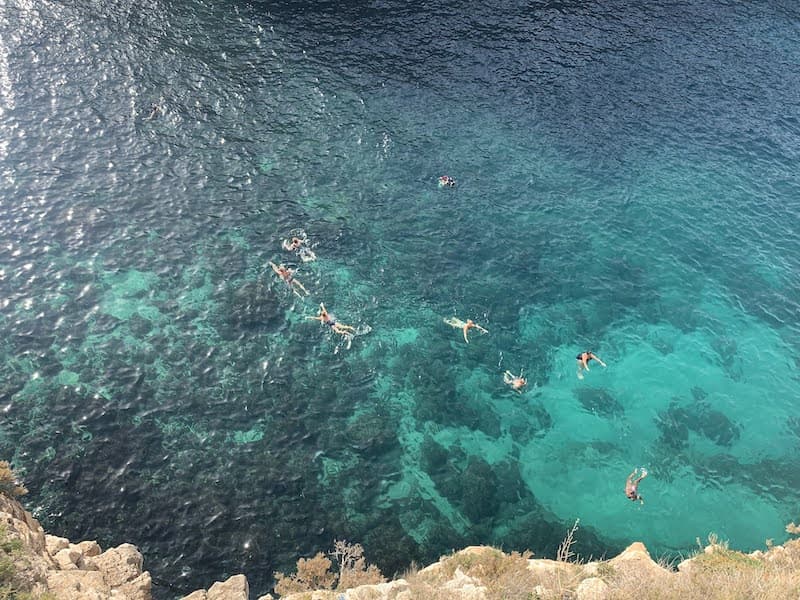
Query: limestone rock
[(68, 558), (592, 588), (27, 528), (235, 588), (266, 597), (545, 568), (54, 544), (138, 589), (464, 587), (78, 585), (196, 595), (119, 565), (389, 590), (636, 558), (89, 548)]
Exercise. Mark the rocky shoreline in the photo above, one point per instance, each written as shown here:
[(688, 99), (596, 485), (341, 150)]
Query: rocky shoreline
[(53, 567)]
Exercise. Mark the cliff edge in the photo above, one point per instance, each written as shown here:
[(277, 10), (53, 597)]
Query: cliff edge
[(34, 565)]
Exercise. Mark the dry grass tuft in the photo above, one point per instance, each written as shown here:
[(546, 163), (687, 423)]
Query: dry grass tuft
[(315, 573), (9, 485)]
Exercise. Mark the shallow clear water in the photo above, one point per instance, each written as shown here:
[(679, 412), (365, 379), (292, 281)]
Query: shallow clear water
[(626, 182)]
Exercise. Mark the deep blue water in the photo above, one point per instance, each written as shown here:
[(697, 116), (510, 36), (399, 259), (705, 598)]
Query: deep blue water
[(626, 182)]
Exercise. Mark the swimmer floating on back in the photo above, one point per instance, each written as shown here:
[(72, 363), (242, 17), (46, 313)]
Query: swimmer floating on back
[(632, 483), (324, 317), (517, 382), (287, 275), (465, 327), (583, 361)]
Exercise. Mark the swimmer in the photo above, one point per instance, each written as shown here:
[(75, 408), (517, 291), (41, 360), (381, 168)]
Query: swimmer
[(324, 317), (517, 382), (446, 181), (632, 483), (294, 244), (583, 361), (465, 327), (300, 245), (287, 275), (306, 254), (155, 110)]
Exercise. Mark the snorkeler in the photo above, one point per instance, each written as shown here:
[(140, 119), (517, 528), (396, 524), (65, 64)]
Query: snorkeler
[(287, 275), (465, 327), (446, 181), (300, 245), (155, 110), (324, 317), (517, 382), (632, 483), (583, 361)]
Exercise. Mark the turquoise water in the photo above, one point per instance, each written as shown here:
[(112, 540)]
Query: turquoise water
[(626, 182)]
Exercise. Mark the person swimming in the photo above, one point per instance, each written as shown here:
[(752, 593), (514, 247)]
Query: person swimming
[(287, 275), (464, 326), (324, 317), (446, 181), (517, 382), (155, 110), (632, 484), (294, 244), (299, 245), (583, 361)]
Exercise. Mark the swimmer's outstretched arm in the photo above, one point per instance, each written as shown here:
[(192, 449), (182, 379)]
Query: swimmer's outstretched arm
[(466, 329), (479, 328), (597, 358), (274, 268)]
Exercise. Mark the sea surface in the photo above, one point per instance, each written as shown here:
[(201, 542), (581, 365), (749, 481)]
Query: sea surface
[(626, 182)]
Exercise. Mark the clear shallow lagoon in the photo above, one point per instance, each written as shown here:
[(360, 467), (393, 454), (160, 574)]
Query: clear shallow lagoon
[(627, 181)]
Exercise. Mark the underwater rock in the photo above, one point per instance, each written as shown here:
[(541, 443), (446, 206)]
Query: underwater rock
[(251, 305), (139, 326), (479, 491), (673, 426), (714, 425), (433, 454), (536, 422), (390, 546), (676, 422), (599, 402), (372, 432)]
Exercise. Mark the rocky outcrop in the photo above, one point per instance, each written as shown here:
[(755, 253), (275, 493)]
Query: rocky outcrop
[(70, 571), (83, 571)]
